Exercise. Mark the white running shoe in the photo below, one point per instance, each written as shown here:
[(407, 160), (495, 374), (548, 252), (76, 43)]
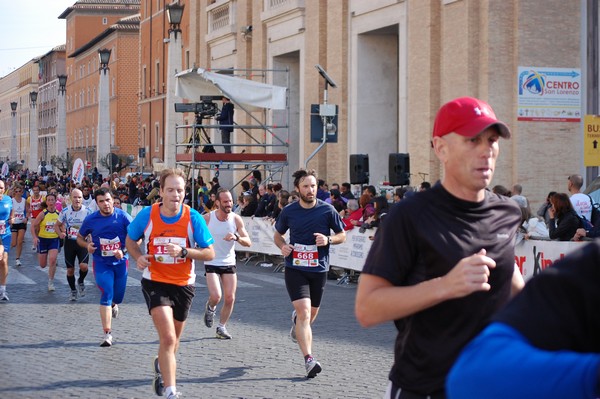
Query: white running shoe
[(312, 368), (293, 329), (81, 289), (157, 382), (73, 296), (18, 262), (209, 315), (108, 339), (3, 297), (51, 285), (222, 333), (115, 311)]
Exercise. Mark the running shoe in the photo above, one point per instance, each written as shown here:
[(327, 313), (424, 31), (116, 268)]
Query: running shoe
[(17, 262), (312, 367), (3, 297), (157, 382), (209, 316), (222, 333), (108, 339), (293, 329), (81, 288), (51, 285), (73, 296), (175, 395), (115, 311)]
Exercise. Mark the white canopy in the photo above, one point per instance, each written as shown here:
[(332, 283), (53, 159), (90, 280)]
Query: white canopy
[(193, 83)]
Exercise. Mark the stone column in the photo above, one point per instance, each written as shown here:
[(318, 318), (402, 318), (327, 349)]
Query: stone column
[(172, 118), (61, 129), (33, 139), (103, 132), (13, 138)]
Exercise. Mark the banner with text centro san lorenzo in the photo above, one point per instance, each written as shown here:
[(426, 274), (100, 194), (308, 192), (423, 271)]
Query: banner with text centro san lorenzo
[(549, 94), (78, 171)]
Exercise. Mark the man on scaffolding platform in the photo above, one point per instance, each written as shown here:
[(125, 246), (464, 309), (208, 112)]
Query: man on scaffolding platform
[(225, 118)]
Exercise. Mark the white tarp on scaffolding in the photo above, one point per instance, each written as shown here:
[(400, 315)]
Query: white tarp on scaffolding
[(193, 83)]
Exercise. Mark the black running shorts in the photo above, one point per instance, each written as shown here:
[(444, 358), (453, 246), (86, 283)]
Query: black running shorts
[(74, 251), (301, 284), (163, 294), (220, 269)]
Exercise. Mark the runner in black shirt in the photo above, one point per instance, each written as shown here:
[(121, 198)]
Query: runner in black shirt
[(444, 259)]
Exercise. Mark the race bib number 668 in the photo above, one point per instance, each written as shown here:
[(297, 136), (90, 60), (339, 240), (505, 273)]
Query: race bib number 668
[(305, 255)]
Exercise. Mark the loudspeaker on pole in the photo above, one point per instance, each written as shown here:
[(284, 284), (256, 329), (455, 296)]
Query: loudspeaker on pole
[(399, 169), (359, 169)]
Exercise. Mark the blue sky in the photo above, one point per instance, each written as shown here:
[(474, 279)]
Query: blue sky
[(29, 28)]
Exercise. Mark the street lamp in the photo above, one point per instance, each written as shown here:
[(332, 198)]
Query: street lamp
[(13, 107), (104, 55), (33, 95), (62, 84), (174, 15)]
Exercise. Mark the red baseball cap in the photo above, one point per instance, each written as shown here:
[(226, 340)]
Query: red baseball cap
[(468, 117)]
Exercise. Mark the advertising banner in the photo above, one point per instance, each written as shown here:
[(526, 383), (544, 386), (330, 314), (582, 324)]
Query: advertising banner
[(591, 140), (78, 171), (549, 94)]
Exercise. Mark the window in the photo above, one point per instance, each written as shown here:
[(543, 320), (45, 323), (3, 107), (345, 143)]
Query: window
[(157, 79), (156, 136), (104, 21), (113, 87), (144, 82), (112, 134)]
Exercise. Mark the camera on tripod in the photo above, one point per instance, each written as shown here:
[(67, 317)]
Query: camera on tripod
[(205, 109)]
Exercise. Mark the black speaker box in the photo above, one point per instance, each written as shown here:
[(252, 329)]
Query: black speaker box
[(359, 169), (399, 169)]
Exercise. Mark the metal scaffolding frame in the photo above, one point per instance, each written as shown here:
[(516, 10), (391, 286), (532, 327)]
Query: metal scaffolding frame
[(272, 159)]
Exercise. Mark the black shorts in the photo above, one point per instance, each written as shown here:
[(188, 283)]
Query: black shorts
[(220, 269), (18, 226), (302, 284), (178, 297), (74, 251)]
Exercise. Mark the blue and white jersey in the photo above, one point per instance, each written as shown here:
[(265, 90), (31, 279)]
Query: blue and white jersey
[(73, 220), (5, 210)]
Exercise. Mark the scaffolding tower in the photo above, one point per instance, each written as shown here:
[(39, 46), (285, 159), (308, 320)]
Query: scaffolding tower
[(266, 147)]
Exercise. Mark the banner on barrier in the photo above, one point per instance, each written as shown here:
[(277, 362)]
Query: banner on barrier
[(531, 256)]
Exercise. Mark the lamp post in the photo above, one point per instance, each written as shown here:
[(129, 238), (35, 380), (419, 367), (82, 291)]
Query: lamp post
[(174, 15), (103, 134), (33, 132), (61, 129), (13, 141)]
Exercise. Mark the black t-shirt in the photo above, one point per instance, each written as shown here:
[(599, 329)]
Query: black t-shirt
[(558, 309), (424, 237)]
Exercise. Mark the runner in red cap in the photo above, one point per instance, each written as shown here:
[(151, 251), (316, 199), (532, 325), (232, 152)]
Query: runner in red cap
[(443, 260)]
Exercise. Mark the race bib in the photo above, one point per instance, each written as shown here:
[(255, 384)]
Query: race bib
[(2, 227), (72, 233), (305, 255), (19, 217), (109, 246), (160, 249), (49, 228)]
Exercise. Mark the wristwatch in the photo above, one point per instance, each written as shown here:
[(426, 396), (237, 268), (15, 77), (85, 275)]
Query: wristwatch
[(237, 236), (328, 239), (184, 253)]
